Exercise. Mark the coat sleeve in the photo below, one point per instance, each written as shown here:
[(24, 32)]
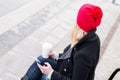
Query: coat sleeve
[(58, 76), (82, 64), (81, 69)]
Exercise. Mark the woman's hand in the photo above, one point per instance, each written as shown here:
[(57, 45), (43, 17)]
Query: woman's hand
[(45, 69), (53, 55)]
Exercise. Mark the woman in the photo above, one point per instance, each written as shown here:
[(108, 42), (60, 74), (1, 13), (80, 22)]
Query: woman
[(79, 59)]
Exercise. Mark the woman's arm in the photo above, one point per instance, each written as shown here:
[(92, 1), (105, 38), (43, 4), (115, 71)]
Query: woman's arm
[(82, 65), (58, 76), (80, 69)]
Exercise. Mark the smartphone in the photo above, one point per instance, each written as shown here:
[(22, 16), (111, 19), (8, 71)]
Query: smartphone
[(38, 61)]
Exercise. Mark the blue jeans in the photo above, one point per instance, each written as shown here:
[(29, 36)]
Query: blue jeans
[(34, 72)]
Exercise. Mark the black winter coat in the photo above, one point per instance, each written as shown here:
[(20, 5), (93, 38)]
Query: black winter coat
[(79, 62)]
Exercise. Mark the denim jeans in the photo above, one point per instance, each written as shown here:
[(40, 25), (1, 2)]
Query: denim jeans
[(34, 72)]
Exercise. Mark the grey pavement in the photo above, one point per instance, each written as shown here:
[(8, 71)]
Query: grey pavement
[(29, 25), (8, 5), (21, 43)]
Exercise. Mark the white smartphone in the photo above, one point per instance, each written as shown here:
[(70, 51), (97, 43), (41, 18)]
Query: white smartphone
[(38, 61)]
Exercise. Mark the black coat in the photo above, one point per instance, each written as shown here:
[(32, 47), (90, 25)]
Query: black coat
[(79, 62)]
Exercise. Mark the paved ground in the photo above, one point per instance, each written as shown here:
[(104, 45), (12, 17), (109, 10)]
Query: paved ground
[(8, 5), (21, 36)]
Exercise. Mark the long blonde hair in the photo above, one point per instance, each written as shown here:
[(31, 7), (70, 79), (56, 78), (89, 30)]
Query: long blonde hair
[(76, 35)]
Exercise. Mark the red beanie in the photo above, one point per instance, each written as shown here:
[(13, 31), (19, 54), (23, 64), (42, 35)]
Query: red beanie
[(89, 17)]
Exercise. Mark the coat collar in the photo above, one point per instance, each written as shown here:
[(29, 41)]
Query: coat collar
[(68, 53), (90, 35)]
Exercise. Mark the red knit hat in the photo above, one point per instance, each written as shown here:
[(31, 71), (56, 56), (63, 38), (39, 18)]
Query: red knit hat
[(89, 17)]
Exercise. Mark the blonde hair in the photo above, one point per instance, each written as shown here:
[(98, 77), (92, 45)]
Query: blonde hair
[(76, 35)]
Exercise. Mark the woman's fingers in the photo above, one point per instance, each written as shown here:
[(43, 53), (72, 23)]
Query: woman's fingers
[(41, 67), (51, 54), (45, 69), (47, 64)]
